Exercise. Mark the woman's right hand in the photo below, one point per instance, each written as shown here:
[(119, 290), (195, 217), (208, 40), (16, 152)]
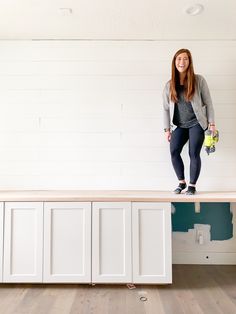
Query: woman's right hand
[(168, 135)]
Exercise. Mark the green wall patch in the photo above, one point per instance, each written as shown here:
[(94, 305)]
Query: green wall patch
[(217, 215)]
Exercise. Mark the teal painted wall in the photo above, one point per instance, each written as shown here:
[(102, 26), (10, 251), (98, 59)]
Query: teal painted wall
[(217, 215)]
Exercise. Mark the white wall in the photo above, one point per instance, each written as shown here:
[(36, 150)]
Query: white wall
[(88, 114)]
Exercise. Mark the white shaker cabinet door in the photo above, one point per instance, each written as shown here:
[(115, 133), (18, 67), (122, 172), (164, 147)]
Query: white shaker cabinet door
[(151, 227), (111, 242), (67, 242), (23, 240), (1, 240)]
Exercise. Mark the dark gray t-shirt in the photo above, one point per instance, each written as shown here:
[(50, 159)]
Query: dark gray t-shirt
[(184, 115)]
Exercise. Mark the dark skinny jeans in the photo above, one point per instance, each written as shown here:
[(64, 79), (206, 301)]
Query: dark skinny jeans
[(179, 138)]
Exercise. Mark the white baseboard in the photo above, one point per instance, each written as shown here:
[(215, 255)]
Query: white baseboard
[(216, 258)]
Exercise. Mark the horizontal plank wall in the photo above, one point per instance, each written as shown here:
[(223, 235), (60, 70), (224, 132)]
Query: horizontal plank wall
[(88, 115)]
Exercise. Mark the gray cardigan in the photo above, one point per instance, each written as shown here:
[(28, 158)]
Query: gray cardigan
[(201, 102)]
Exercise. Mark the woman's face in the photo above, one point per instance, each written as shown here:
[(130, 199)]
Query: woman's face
[(182, 62)]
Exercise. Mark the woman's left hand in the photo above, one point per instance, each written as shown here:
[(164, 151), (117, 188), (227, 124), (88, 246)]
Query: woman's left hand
[(212, 128)]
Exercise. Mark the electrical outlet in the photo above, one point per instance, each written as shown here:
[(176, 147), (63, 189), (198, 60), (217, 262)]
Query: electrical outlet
[(200, 237)]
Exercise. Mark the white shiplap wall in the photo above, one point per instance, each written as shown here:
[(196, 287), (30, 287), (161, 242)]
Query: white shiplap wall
[(88, 114)]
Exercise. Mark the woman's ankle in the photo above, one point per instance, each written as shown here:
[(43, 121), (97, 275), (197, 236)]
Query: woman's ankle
[(180, 188), (191, 190)]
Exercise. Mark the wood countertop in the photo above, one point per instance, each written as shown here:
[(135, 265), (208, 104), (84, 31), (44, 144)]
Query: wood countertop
[(113, 196)]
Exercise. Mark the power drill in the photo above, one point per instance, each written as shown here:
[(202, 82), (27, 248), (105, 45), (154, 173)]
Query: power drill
[(210, 141)]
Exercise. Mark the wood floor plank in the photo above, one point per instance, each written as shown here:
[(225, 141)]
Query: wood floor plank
[(225, 278), (64, 298), (202, 290), (122, 300), (196, 289), (90, 300), (170, 302), (218, 292), (153, 304), (36, 300), (185, 295), (10, 295)]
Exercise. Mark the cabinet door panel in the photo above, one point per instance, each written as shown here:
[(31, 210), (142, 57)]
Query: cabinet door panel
[(67, 242), (111, 242), (23, 238), (151, 225), (1, 240)]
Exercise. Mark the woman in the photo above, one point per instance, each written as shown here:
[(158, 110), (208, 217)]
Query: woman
[(188, 112)]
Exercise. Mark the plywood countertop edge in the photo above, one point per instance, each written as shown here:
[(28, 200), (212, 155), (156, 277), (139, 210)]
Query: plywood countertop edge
[(113, 196)]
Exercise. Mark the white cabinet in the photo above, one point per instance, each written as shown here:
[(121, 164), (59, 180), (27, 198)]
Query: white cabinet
[(67, 242), (151, 234), (23, 239), (111, 242), (84, 242), (1, 240)]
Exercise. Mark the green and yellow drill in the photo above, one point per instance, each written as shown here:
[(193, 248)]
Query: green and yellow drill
[(210, 141)]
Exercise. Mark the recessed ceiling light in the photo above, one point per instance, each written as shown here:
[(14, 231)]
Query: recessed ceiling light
[(194, 9)]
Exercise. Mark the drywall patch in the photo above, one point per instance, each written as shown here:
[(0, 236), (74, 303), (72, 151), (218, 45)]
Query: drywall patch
[(217, 215)]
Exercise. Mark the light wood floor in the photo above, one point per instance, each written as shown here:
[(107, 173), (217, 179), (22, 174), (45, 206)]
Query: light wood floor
[(196, 289)]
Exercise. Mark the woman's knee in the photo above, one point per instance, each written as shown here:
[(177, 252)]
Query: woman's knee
[(175, 151), (194, 155)]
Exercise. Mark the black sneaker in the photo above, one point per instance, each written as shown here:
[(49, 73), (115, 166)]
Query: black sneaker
[(180, 188), (191, 190)]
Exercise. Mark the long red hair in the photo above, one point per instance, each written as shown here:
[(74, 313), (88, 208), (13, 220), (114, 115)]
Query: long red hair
[(189, 82)]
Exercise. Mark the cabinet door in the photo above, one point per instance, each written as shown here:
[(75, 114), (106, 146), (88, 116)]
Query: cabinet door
[(23, 239), (1, 240), (151, 225), (111, 242), (67, 242)]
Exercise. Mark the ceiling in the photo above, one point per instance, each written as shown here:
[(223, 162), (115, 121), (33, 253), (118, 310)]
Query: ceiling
[(116, 19)]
